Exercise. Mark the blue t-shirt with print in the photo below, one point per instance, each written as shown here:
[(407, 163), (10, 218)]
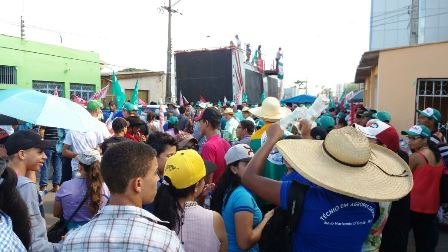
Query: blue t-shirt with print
[(240, 200), (329, 221)]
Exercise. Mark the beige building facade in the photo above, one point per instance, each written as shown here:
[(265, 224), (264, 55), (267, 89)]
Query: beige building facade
[(151, 84), (401, 80)]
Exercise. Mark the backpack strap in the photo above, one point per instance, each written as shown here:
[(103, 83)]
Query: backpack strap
[(296, 196)]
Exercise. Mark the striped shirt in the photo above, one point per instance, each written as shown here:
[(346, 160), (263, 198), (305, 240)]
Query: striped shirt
[(122, 228), (443, 148)]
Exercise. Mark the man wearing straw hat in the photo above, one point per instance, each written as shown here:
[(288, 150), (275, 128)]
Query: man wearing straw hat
[(270, 112), (229, 133), (345, 175)]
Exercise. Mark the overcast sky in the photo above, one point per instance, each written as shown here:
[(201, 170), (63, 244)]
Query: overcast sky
[(322, 40)]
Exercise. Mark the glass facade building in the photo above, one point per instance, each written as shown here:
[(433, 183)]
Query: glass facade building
[(395, 23)]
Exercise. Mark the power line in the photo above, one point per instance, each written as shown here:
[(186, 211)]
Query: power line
[(50, 30), (404, 12), (397, 15), (60, 56), (410, 19), (392, 11)]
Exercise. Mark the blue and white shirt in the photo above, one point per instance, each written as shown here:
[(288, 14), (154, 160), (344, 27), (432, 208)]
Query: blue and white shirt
[(122, 228), (9, 241), (329, 221)]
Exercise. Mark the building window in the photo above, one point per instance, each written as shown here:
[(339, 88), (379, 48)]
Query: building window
[(433, 93), (8, 75), (49, 87), (84, 91)]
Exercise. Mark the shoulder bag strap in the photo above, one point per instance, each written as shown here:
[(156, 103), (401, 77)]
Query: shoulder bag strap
[(296, 198), (77, 209)]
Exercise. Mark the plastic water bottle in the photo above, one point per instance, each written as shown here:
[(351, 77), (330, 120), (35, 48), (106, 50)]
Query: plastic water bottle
[(298, 113), (318, 106), (311, 113)]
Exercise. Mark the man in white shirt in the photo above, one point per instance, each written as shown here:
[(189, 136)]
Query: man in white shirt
[(76, 142)]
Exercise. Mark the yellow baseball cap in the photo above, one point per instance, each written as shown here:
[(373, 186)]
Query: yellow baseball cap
[(185, 168)]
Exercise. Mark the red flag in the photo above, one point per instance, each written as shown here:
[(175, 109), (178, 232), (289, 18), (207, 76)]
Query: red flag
[(161, 114), (80, 101), (101, 93), (260, 65), (142, 102), (202, 99), (181, 99), (56, 93), (352, 112)]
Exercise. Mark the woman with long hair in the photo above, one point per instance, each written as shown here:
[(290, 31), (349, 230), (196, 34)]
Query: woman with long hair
[(15, 222), (198, 228), (242, 217), (88, 189), (427, 169), (152, 122)]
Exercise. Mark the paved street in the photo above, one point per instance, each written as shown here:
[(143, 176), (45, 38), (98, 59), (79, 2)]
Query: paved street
[(48, 205)]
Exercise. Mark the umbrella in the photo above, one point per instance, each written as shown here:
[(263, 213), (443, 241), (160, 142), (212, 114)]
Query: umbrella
[(300, 99), (46, 110), (358, 96)]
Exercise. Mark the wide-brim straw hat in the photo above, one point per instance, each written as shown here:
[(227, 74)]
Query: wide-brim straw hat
[(228, 111), (346, 163), (270, 110)]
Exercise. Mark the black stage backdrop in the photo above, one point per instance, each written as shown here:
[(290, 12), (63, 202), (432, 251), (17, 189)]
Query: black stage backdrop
[(204, 73)]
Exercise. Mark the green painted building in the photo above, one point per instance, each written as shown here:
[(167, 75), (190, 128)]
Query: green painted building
[(44, 67)]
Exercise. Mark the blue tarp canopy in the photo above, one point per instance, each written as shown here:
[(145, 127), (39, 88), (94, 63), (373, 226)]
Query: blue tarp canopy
[(300, 99), (358, 97)]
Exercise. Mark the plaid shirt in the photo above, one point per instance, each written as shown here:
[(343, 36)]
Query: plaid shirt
[(8, 239), (122, 228)]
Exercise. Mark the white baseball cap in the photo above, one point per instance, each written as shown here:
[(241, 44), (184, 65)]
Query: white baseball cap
[(238, 152), (373, 128)]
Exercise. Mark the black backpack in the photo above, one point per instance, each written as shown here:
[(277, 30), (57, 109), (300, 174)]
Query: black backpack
[(277, 234)]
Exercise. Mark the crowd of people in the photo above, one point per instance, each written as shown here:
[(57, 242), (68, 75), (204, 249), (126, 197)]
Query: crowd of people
[(205, 178)]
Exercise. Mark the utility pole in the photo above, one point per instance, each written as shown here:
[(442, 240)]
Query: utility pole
[(168, 55), (22, 28), (414, 20)]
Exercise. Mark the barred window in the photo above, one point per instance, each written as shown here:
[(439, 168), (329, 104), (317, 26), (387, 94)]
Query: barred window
[(49, 87), (84, 91), (8, 75), (433, 93)]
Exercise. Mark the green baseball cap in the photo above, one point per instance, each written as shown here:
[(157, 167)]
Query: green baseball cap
[(383, 116), (326, 122), (431, 113), (130, 107), (417, 131), (94, 105), (173, 120)]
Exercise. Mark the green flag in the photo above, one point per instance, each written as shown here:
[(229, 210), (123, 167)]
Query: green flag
[(117, 91), (280, 74), (262, 96), (244, 99), (219, 104), (134, 96)]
